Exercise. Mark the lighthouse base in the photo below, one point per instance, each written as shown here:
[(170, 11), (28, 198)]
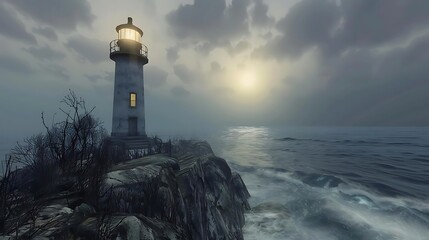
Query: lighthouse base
[(132, 142)]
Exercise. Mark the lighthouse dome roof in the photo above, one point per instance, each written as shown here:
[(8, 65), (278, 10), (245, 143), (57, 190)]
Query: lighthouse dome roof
[(129, 25)]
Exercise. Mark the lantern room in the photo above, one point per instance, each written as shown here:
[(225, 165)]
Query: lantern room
[(128, 42), (129, 31)]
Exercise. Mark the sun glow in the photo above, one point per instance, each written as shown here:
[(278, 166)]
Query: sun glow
[(247, 81)]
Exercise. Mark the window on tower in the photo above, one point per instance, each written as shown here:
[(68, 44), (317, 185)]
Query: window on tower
[(133, 100)]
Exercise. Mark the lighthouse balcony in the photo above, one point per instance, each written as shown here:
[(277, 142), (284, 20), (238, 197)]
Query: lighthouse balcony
[(123, 46)]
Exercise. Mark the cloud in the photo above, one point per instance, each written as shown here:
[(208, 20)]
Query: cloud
[(12, 27), (307, 24), (155, 76), (259, 15), (172, 54), (94, 77), (370, 65), (364, 87), (215, 67), (47, 32), (110, 76), (14, 64), (224, 91), (90, 49), (179, 91), (211, 21), (184, 73), (57, 71), (45, 53), (106, 76), (336, 26), (63, 15), (374, 22), (239, 47)]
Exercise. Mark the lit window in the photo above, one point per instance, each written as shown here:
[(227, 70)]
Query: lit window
[(133, 100), (130, 34)]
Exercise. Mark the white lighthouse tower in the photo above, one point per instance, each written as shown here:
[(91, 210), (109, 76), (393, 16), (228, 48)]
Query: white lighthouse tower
[(130, 55)]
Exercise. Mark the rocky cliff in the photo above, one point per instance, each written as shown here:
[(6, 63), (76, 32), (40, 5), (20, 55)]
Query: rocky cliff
[(191, 194)]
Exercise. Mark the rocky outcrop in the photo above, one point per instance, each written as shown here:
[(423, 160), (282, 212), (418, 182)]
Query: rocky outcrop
[(191, 194), (214, 197)]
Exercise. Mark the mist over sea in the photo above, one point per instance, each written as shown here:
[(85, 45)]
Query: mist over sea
[(322, 183)]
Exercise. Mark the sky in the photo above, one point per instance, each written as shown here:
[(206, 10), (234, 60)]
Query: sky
[(221, 62)]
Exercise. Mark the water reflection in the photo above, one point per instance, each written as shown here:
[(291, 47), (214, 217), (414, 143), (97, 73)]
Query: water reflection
[(246, 146)]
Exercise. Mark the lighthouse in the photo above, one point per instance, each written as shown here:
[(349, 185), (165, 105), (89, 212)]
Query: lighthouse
[(129, 55)]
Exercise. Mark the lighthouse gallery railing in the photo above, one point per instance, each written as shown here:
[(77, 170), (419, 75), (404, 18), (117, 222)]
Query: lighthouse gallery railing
[(115, 48)]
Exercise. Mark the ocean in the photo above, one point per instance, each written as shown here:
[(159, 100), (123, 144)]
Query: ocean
[(331, 183), (323, 183)]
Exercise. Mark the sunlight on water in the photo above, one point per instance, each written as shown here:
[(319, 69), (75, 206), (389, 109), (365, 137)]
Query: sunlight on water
[(243, 145)]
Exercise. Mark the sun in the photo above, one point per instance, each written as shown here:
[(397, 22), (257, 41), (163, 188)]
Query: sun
[(247, 81)]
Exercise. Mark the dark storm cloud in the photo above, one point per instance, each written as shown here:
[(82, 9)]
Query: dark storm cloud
[(155, 76), (90, 49), (409, 62), (362, 87), (13, 64), (45, 53), (308, 23), (372, 22), (12, 27), (47, 32), (179, 91), (335, 27), (61, 14), (211, 21), (259, 15), (363, 76), (184, 73)]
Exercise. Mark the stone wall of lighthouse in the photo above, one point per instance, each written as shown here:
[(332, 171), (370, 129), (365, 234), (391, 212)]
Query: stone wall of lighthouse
[(128, 80)]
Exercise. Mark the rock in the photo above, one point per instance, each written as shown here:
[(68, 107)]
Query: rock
[(215, 198), (50, 222), (194, 190), (123, 227), (84, 210), (146, 186), (191, 195), (54, 210)]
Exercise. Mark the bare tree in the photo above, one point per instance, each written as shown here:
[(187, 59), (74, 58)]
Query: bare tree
[(5, 192), (72, 151), (74, 142), (35, 158)]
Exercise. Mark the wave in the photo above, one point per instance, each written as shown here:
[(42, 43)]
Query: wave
[(380, 142), (285, 139), (320, 206), (318, 180), (343, 184)]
